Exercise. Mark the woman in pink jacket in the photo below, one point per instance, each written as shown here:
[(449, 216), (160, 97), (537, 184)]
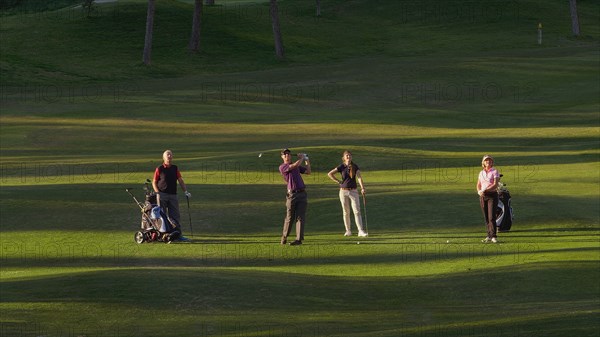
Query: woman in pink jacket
[(488, 196)]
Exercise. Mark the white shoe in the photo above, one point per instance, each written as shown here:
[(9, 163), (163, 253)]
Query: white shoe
[(486, 240), (494, 240), (363, 234), (348, 234)]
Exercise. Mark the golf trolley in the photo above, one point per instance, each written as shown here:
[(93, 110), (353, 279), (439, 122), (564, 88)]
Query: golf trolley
[(504, 211), (155, 224)]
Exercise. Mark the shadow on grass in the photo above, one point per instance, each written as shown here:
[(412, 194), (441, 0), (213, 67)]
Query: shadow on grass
[(557, 229), (401, 154), (318, 254), (494, 145), (546, 296), (247, 209)]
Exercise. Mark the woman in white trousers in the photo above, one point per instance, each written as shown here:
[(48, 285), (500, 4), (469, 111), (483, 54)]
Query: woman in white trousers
[(350, 175)]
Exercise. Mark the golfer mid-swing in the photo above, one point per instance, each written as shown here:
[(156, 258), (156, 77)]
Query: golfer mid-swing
[(296, 199), (164, 183)]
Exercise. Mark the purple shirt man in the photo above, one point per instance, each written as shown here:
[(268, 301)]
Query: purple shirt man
[(296, 199), (292, 176)]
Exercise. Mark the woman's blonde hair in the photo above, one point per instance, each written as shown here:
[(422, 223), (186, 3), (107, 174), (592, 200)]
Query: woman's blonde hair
[(485, 157)]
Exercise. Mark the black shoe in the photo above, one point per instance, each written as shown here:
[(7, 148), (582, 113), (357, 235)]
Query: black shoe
[(283, 241), (296, 243)]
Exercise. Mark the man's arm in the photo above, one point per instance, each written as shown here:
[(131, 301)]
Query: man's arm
[(297, 162), (155, 180), (182, 184)]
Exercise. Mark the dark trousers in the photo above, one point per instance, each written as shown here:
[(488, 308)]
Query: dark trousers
[(170, 205), (489, 203), (296, 204)]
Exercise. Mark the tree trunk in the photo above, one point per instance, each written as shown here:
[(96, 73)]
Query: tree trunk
[(276, 29), (318, 7), (149, 26), (210, 2), (196, 27), (574, 17)]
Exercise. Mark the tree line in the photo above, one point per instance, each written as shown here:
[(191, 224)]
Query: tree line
[(194, 44), (195, 37)]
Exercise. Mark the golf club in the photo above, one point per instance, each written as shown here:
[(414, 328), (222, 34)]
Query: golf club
[(140, 205), (189, 215), (365, 205)]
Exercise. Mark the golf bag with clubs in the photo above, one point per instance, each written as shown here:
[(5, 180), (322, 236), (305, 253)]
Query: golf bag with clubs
[(504, 211), (155, 224)]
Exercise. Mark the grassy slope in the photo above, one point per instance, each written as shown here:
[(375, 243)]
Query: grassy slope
[(82, 119)]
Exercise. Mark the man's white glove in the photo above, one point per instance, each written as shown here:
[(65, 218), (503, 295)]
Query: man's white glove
[(188, 194)]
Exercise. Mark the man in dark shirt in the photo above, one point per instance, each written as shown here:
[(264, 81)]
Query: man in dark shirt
[(164, 183), (296, 200)]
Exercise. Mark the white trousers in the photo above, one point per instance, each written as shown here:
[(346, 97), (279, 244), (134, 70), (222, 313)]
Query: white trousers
[(350, 198)]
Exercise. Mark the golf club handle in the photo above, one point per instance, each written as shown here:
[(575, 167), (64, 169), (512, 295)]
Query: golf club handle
[(128, 190)]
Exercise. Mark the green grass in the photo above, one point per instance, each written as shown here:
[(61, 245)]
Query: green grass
[(418, 96)]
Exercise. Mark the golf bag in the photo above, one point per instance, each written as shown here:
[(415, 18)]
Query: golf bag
[(155, 224), (504, 211)]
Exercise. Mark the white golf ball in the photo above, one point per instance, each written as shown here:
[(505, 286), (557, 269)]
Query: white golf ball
[(358, 243), (447, 241), (260, 155)]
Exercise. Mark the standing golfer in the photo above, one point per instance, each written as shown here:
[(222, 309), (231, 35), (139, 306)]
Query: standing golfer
[(296, 199), (348, 193), (488, 196), (164, 183)]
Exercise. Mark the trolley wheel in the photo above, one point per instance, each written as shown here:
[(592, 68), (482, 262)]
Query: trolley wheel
[(139, 237)]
